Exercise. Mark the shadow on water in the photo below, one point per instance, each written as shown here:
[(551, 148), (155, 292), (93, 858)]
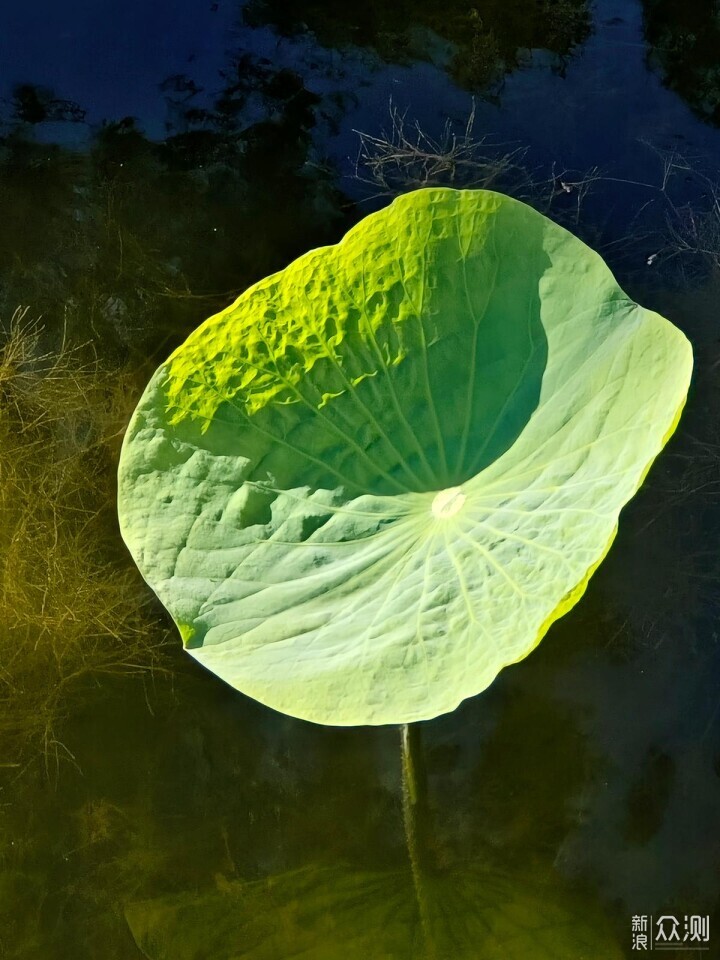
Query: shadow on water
[(583, 787), (217, 828)]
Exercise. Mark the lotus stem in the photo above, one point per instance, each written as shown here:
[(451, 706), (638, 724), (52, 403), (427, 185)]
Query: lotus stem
[(414, 783)]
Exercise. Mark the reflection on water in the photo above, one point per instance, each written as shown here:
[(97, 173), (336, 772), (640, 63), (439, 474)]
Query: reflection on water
[(482, 42), (584, 786), (684, 38)]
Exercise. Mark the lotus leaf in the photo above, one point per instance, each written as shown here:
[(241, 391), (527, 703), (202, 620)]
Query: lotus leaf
[(382, 473)]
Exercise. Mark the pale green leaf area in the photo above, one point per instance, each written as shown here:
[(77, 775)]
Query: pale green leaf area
[(326, 913), (379, 476)]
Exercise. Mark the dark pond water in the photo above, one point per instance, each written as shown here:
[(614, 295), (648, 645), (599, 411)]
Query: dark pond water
[(156, 159)]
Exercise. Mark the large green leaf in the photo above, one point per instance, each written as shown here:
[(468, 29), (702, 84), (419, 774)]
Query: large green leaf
[(380, 475)]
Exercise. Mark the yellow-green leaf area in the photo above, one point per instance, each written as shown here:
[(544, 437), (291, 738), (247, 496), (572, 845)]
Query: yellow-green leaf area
[(259, 350), (382, 473)]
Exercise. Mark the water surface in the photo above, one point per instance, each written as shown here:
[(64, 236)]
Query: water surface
[(583, 787)]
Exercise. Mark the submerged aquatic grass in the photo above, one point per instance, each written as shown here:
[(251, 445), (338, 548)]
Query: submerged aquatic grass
[(71, 607)]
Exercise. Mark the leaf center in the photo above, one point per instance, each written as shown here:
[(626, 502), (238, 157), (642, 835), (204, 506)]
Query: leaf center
[(447, 502)]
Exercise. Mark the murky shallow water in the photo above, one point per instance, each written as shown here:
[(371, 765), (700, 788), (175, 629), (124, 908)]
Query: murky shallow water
[(583, 787)]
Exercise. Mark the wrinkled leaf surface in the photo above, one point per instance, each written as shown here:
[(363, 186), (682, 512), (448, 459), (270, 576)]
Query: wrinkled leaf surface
[(380, 475)]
